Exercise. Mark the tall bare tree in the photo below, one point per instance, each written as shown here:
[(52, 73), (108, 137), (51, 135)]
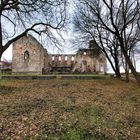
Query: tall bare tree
[(118, 17), (88, 28), (18, 17)]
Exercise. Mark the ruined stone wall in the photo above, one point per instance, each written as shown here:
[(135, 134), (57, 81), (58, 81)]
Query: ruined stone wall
[(78, 63), (102, 63), (28, 56), (62, 59), (86, 63), (60, 62), (45, 62)]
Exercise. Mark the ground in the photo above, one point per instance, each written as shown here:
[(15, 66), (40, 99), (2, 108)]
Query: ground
[(106, 109)]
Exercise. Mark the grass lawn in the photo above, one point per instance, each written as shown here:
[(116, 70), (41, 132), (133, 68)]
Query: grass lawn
[(57, 74), (69, 110)]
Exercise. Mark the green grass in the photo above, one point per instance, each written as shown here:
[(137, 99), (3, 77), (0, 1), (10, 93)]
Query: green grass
[(69, 110), (55, 74)]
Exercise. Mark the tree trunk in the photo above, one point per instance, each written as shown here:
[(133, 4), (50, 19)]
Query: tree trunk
[(118, 74), (134, 72), (1, 46), (117, 69), (129, 62), (1, 52), (127, 73)]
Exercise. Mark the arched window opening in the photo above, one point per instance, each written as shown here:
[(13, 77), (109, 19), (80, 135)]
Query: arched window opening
[(84, 53), (26, 56), (72, 58), (59, 58), (53, 58), (102, 69), (66, 58)]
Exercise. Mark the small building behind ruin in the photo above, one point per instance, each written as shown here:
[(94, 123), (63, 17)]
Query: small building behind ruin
[(29, 56)]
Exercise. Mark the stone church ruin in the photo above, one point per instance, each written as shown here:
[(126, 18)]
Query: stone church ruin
[(29, 56)]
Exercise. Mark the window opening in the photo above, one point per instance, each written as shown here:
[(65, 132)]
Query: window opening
[(52, 58), (26, 56), (59, 58), (72, 58), (66, 58)]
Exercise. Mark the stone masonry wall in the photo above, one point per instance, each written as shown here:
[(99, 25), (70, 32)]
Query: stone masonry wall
[(29, 56), (27, 64)]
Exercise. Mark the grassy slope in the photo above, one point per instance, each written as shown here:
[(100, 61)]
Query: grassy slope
[(69, 110)]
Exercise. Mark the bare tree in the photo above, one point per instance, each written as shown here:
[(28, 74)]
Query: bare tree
[(88, 28), (118, 17), (22, 16)]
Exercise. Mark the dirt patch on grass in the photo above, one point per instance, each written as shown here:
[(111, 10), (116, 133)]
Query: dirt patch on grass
[(69, 110)]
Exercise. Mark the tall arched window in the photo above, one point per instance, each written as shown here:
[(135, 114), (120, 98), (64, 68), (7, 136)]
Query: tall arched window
[(72, 58), (66, 58), (53, 58), (59, 58), (26, 56)]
